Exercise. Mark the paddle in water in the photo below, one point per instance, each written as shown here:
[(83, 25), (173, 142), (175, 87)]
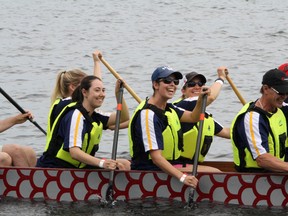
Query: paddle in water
[(20, 109), (197, 151), (110, 192)]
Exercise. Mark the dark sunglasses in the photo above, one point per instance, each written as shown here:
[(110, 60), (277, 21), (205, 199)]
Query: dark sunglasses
[(169, 80), (193, 84), (277, 92)]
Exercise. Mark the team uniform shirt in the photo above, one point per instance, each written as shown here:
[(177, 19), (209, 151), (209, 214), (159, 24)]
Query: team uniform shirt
[(149, 134), (152, 127), (73, 127), (189, 104), (257, 142), (59, 107)]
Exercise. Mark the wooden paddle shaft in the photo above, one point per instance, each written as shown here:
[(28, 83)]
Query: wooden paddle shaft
[(129, 89), (235, 89)]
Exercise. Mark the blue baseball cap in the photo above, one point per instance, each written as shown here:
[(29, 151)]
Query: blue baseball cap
[(165, 71)]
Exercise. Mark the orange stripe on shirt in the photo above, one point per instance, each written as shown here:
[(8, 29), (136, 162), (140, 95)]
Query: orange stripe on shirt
[(77, 129), (252, 134), (147, 129)]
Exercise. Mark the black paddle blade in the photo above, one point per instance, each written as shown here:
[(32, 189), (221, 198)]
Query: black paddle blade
[(191, 204), (109, 193)]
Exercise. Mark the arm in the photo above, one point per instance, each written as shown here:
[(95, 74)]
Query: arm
[(79, 155), (18, 119), (269, 162), (124, 113), (258, 144), (165, 166), (97, 69), (224, 133), (217, 85), (123, 125), (195, 114)]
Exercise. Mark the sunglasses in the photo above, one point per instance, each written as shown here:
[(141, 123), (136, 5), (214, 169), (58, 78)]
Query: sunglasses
[(169, 80), (193, 84), (277, 92)]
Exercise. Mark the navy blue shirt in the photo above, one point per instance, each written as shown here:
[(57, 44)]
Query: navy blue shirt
[(189, 104)]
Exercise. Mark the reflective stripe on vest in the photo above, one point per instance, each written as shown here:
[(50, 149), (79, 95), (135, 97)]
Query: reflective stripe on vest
[(90, 143), (276, 138), (170, 134)]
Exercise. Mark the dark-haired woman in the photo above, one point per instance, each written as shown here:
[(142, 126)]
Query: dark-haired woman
[(77, 130), (191, 89)]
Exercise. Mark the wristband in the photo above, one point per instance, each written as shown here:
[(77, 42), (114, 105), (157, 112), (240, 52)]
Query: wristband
[(220, 80), (183, 177), (101, 163)]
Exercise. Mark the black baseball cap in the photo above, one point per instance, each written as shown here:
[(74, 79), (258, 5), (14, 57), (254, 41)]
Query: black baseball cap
[(277, 79)]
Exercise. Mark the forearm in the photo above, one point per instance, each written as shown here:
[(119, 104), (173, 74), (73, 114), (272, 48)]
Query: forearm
[(217, 85), (224, 133), (79, 155), (166, 167), (215, 90), (125, 112), (269, 162), (195, 114), (7, 123), (97, 69)]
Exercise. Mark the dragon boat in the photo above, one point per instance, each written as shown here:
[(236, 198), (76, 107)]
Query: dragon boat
[(227, 187)]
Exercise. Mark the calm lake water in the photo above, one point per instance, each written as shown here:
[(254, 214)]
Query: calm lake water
[(39, 38)]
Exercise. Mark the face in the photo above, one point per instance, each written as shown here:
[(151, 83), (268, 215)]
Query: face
[(192, 88), (167, 86), (94, 97), (274, 98)]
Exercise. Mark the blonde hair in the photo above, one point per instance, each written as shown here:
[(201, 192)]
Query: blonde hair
[(64, 80)]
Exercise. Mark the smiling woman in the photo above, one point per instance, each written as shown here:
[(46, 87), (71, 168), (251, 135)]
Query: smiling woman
[(190, 93), (154, 130), (77, 130)]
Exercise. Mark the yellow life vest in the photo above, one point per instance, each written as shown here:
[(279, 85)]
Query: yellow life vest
[(277, 139), (177, 101), (51, 119), (49, 125), (172, 134), (90, 143), (190, 139)]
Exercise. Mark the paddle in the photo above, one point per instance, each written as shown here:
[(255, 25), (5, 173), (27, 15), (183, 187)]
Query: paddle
[(20, 109), (109, 192), (234, 88), (197, 151), (129, 89)]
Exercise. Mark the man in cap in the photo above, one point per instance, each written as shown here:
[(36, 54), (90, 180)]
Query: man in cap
[(259, 131), (154, 131)]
